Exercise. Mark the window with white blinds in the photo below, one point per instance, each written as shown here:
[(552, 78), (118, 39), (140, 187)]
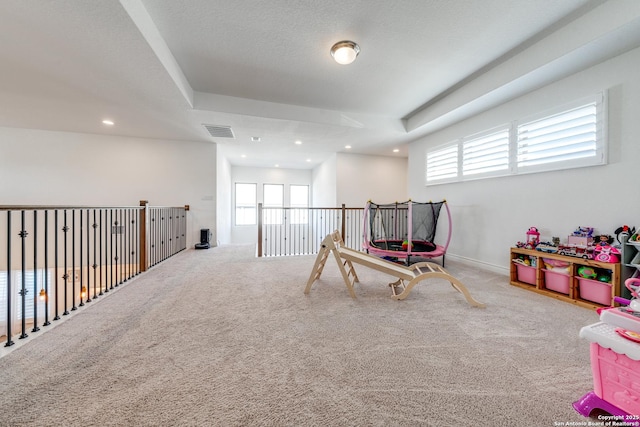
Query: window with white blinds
[(573, 137), (442, 165), (570, 136), (16, 288), (486, 154)]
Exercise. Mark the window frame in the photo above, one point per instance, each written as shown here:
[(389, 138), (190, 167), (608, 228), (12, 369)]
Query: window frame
[(601, 131), (276, 217), (299, 213), (600, 157), (245, 206)]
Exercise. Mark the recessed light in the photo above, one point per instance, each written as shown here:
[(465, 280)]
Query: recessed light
[(255, 139), (395, 150), (308, 160), (277, 166), (298, 142), (108, 122), (243, 156), (348, 147)]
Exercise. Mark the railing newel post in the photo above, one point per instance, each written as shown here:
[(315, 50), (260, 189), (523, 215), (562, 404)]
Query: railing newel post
[(343, 228)]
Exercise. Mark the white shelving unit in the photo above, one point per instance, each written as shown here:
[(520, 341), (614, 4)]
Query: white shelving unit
[(630, 263)]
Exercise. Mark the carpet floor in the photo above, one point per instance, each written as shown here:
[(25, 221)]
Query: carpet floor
[(219, 338)]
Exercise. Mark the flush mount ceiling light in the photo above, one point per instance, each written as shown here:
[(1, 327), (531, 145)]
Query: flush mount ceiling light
[(345, 52)]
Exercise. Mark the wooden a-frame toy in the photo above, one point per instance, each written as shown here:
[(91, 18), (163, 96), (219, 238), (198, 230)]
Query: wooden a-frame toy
[(414, 274)]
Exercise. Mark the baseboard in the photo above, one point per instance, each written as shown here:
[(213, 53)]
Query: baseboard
[(479, 264)]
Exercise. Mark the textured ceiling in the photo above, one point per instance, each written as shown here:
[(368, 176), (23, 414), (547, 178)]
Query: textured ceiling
[(163, 68)]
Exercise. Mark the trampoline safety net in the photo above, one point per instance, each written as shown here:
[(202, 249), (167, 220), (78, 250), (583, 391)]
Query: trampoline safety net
[(390, 223)]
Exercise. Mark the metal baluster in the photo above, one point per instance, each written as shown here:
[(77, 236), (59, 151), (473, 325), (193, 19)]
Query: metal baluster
[(136, 248), (114, 235), (118, 241), (106, 251), (165, 234), (9, 332), (159, 245), (81, 276), (111, 248), (128, 242), (102, 261), (36, 328), (73, 259), (56, 265), (88, 285), (170, 233), (95, 251), (184, 229), (46, 269), (162, 235), (151, 237), (121, 236), (23, 291)]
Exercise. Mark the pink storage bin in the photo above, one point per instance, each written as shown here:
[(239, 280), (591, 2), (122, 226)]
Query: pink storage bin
[(555, 281), (595, 291), (526, 274)]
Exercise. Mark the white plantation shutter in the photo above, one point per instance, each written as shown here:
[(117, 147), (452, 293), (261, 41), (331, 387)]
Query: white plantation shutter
[(442, 165), (486, 154), (3, 302), (570, 138), (16, 298)]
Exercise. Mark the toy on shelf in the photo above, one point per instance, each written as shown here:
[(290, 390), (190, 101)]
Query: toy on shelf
[(591, 273), (556, 265), (548, 247), (624, 230), (525, 260), (604, 240), (533, 238), (606, 253), (580, 251), (582, 236), (587, 272)]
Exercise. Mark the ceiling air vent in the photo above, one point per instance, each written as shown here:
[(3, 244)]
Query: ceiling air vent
[(219, 131)]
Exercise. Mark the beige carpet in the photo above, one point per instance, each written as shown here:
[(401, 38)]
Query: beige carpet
[(219, 338)]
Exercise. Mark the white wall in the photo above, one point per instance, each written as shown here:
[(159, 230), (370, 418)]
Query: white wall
[(260, 176), (377, 178), (491, 215), (223, 219), (323, 194), (59, 168)]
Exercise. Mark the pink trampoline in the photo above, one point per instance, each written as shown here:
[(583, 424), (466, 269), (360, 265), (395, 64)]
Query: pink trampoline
[(388, 229)]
